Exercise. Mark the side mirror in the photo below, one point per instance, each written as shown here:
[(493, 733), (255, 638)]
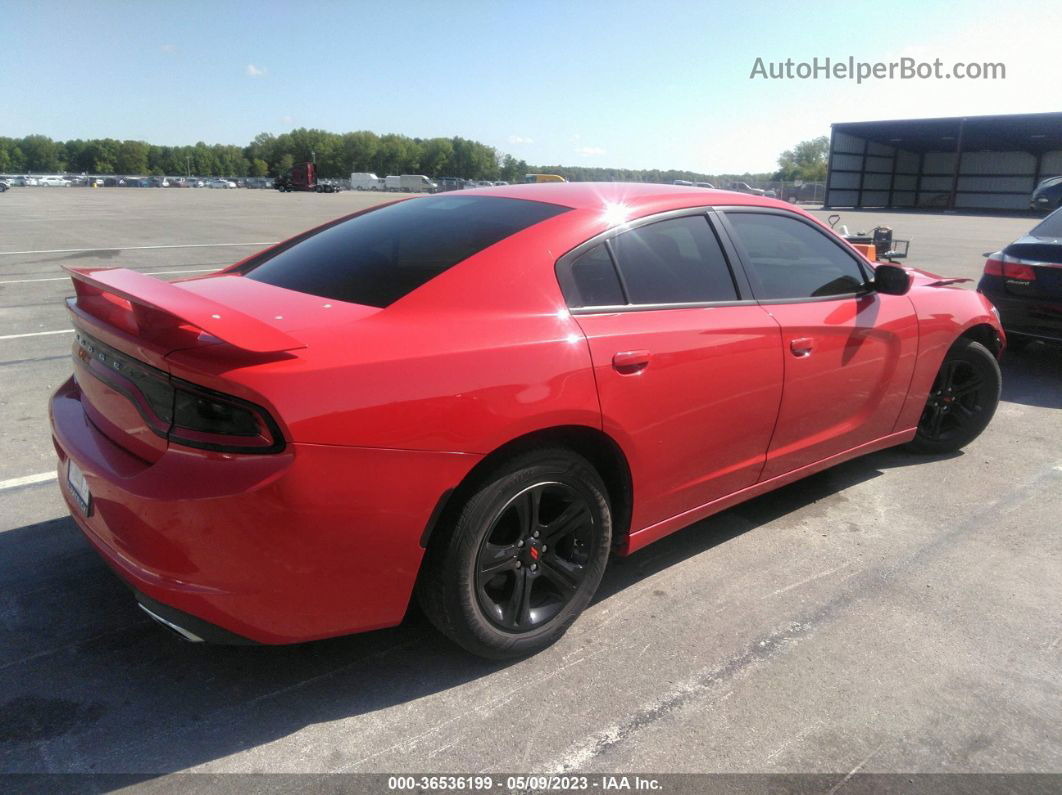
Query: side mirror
[(891, 280)]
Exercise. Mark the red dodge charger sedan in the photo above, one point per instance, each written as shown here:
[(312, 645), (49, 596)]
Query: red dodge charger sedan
[(479, 397)]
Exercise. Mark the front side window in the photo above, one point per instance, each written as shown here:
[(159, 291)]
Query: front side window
[(791, 259), (381, 256), (673, 262)]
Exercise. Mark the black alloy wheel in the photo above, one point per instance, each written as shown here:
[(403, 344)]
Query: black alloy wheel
[(954, 402), (518, 556), (962, 400), (534, 556)]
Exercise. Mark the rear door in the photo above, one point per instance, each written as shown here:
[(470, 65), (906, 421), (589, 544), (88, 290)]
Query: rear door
[(849, 352), (688, 366)]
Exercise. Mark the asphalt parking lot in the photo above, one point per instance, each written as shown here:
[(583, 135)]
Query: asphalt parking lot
[(894, 614)]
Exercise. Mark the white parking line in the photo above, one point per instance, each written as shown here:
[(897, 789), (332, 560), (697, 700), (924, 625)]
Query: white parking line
[(149, 273), (133, 248), (27, 480), (36, 334)]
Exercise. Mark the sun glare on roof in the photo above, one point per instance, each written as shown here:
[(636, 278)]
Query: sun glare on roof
[(615, 214)]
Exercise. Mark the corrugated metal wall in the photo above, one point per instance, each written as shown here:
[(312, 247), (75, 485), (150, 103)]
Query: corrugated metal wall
[(870, 174), (996, 180), (846, 170)]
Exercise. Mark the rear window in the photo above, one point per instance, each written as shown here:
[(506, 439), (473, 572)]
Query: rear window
[(1051, 226), (383, 255)]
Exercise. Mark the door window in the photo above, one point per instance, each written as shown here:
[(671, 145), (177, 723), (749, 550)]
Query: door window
[(672, 262), (791, 259)]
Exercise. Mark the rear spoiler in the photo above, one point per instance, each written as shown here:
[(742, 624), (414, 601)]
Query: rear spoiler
[(944, 282), (168, 314)]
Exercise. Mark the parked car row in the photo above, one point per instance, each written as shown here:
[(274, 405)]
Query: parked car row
[(457, 183), (119, 181), (20, 181), (737, 187)]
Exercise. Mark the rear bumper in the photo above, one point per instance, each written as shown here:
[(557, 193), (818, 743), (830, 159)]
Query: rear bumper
[(313, 542), (1026, 317)]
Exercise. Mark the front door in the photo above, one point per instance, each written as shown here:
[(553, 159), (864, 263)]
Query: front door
[(849, 352)]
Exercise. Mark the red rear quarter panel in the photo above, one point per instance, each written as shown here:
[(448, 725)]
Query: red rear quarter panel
[(482, 354), (316, 541)]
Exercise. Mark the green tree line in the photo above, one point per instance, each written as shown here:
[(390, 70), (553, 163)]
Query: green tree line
[(336, 155)]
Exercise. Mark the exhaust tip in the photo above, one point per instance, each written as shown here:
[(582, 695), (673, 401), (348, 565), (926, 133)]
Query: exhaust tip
[(178, 630), (189, 627)]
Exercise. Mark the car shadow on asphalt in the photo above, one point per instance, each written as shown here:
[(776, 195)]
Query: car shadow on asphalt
[(88, 683), (813, 496), (1032, 375)]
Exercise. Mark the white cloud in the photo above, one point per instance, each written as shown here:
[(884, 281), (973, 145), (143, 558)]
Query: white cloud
[(520, 139), (590, 151), (287, 120), (169, 49), (255, 71)]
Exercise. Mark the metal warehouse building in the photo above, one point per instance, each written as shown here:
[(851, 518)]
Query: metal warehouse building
[(969, 162)]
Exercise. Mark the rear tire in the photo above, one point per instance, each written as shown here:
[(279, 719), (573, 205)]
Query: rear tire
[(522, 556), (962, 400)]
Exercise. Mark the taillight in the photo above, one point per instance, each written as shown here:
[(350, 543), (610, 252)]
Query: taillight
[(216, 421), (180, 411), (1016, 269), (1000, 264)]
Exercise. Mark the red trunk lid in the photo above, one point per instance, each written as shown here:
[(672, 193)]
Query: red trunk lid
[(128, 323)]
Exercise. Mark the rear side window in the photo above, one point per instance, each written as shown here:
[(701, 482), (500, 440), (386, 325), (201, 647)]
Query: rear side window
[(674, 261), (791, 259), (383, 255)]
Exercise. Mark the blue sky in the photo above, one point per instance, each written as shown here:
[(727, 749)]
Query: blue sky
[(628, 84)]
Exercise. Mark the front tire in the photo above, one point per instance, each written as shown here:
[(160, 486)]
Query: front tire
[(962, 400), (522, 557)]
